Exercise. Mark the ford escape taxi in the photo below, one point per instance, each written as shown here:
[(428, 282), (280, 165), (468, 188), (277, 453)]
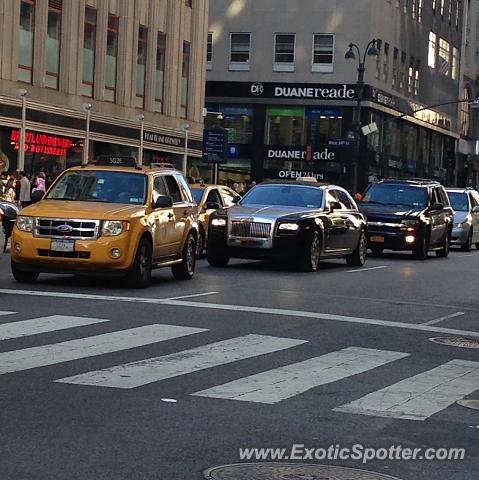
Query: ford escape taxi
[(121, 220)]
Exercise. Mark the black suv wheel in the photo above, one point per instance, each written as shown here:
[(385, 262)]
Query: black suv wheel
[(444, 251)]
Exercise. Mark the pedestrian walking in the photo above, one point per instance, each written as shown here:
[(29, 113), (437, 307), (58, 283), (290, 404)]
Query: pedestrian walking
[(25, 188)]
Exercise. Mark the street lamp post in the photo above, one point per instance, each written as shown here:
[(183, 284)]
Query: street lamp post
[(22, 95), (86, 107), (184, 128), (372, 51), (141, 118)]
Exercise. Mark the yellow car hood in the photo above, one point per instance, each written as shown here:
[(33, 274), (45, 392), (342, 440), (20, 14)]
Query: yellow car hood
[(83, 210)]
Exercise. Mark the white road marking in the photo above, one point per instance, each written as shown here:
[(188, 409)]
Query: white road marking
[(419, 397), (4, 312), (291, 380), (249, 309), (44, 325), (440, 319), (367, 269), (136, 374), (191, 296), (27, 358)]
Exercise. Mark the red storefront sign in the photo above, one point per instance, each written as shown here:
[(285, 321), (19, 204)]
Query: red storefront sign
[(42, 143)]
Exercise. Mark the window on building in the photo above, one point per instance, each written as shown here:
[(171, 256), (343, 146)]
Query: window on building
[(434, 6), (457, 14), (89, 43), (465, 116), (386, 62), (378, 59), (323, 124), (414, 8), (323, 52), (238, 121), (189, 3), (25, 49), (209, 50), (185, 75), (285, 126), (420, 9), (141, 66), (402, 73), (284, 52), (111, 58), (444, 66), (405, 5), (449, 12), (160, 72), (53, 43), (417, 78), (442, 7), (240, 44), (410, 77), (395, 79), (431, 58), (455, 63)]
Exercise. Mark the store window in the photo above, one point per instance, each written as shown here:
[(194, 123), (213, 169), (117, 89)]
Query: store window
[(89, 43), (285, 126), (53, 43), (25, 52), (323, 52), (240, 45), (237, 120), (160, 72), (141, 66), (284, 46), (431, 58), (111, 58), (436, 150), (392, 138), (323, 125), (410, 137), (185, 75)]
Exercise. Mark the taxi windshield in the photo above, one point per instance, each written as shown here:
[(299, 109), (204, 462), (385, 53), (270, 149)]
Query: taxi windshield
[(285, 196), (100, 186), (197, 194)]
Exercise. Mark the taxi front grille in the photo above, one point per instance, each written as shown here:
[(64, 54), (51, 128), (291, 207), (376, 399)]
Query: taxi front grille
[(58, 227), (250, 229)]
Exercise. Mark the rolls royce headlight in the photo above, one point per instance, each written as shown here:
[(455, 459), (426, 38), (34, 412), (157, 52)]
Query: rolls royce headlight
[(25, 224), (112, 228), (218, 222), (290, 227)]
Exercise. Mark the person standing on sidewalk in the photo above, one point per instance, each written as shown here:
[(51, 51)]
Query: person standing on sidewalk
[(25, 190)]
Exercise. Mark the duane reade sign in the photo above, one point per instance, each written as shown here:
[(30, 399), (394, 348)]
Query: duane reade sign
[(341, 92), (325, 154)]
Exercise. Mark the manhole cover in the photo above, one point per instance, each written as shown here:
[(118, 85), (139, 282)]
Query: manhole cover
[(474, 404), (289, 471), (456, 342)]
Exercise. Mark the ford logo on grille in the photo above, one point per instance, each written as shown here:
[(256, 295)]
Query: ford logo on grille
[(64, 228)]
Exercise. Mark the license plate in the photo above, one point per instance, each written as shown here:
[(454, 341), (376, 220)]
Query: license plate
[(376, 238), (62, 245)]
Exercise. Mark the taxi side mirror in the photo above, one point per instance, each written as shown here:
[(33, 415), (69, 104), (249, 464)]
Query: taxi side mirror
[(163, 201)]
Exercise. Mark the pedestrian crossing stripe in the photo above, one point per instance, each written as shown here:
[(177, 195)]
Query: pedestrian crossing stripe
[(281, 383), (28, 358), (136, 374), (419, 397), (52, 323)]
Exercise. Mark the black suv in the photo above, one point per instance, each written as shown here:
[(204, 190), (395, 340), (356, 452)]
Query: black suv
[(408, 215)]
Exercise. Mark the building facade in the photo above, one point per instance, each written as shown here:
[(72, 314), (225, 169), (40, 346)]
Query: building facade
[(276, 70), (130, 65)]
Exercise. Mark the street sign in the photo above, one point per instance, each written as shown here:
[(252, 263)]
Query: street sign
[(215, 145), (233, 151)]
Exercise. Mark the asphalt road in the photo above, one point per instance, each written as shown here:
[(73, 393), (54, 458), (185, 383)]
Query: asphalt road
[(142, 385)]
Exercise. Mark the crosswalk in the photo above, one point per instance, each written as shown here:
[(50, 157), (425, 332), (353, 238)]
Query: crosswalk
[(416, 397)]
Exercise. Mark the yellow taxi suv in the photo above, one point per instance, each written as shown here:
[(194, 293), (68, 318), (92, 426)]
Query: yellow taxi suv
[(120, 220)]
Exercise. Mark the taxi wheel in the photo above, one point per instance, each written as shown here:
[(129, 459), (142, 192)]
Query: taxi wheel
[(358, 257), (186, 269), (465, 247), (201, 243), (23, 277), (140, 274), (312, 253)]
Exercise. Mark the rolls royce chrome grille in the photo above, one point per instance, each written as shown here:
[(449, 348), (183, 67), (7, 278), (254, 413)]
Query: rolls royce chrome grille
[(59, 227), (250, 229)]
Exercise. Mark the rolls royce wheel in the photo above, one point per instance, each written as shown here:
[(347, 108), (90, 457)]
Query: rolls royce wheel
[(312, 253), (358, 257), (23, 277), (186, 269)]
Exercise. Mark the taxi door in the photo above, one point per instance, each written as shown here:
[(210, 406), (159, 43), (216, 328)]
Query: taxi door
[(162, 223)]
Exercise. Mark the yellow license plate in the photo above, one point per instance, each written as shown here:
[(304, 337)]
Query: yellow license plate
[(377, 238)]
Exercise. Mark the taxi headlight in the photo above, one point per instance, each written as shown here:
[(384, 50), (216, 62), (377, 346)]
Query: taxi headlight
[(218, 222), (25, 224), (463, 225), (290, 227), (112, 228)]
